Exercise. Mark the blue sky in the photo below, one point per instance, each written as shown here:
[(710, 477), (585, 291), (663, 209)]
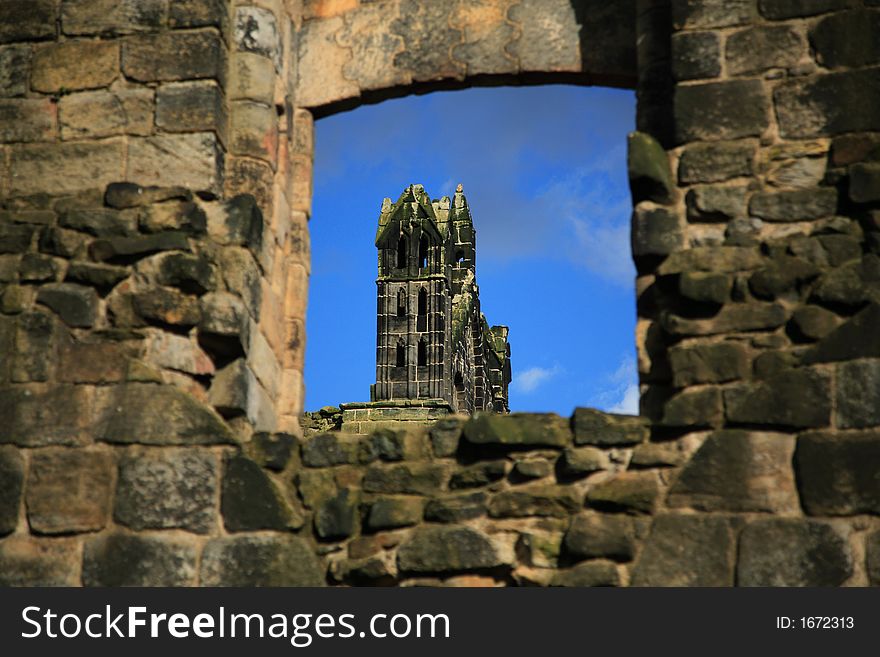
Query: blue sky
[(544, 172)]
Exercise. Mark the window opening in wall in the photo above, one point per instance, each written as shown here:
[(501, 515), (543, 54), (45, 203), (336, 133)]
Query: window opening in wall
[(423, 252), (423, 301), (401, 355), (423, 352), (401, 253), (401, 303)]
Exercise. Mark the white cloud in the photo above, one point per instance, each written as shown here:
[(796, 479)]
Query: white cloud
[(528, 380), (629, 405), (621, 389)]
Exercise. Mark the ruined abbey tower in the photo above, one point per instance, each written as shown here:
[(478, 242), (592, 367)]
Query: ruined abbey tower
[(432, 340)]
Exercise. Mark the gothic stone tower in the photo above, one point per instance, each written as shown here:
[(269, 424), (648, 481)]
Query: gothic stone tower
[(433, 343)]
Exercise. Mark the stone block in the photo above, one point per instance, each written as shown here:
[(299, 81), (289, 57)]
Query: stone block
[(732, 318), (65, 168), (68, 490), (321, 60), (241, 273), (829, 104), (658, 455), (791, 398), (792, 552), (554, 24), (193, 160), (112, 17), (737, 470), (655, 231), (650, 178), (716, 203), (592, 427), (698, 14), (251, 501), (171, 56), (74, 65), (166, 306), (581, 461), (445, 435), (696, 55), (53, 415), (239, 223), (122, 195), (75, 304), (27, 561), (273, 450), (799, 205), (532, 469), (872, 557), (693, 407), (126, 249), (756, 49), (160, 415), (100, 222), (777, 10), (858, 394), (92, 114), (478, 475), (253, 130), (180, 353), (395, 512), (629, 492), (251, 77), (518, 429), (199, 13), (23, 120), (716, 161), (702, 111), (864, 182), (591, 573), (705, 287), (687, 551), (855, 338), (836, 472), (412, 479), (337, 517), (15, 64), (184, 216), (33, 354), (191, 106), (814, 322), (236, 391), (710, 363), (28, 20), (783, 277), (456, 508), (847, 39), (61, 242), (260, 561), (130, 560), (447, 549), (541, 501), (715, 259), (255, 30), (600, 536), (11, 485), (97, 361), (191, 274)]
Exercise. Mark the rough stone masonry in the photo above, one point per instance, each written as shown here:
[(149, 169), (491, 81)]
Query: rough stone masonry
[(155, 186)]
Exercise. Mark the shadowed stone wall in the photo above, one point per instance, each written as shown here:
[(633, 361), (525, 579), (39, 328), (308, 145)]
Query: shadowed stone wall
[(155, 186)]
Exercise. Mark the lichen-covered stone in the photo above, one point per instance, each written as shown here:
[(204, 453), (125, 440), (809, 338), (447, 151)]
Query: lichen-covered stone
[(785, 9), (836, 472), (123, 195), (792, 552), (798, 205), (761, 47), (330, 448), (260, 561), (336, 517), (737, 470), (251, 501), (784, 276), (76, 305), (601, 536), (447, 549), (715, 161), (696, 55), (864, 181), (456, 508), (167, 489), (581, 461), (709, 203), (517, 429), (710, 363), (814, 322), (655, 231), (100, 222), (100, 276), (414, 479), (793, 398), (650, 178), (533, 468), (478, 475), (590, 573), (732, 318), (847, 39), (131, 560), (542, 501), (48, 416), (174, 215), (855, 338), (445, 435), (693, 407), (273, 450), (592, 427), (630, 492), (394, 512), (68, 491), (11, 484), (702, 111), (122, 249), (712, 13), (858, 394), (872, 557), (687, 551), (28, 561)]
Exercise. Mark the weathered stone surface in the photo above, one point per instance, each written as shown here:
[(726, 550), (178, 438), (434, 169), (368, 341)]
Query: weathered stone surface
[(11, 484), (47, 416), (15, 239), (121, 195), (715, 259), (631, 492), (124, 249), (592, 427), (445, 435), (32, 357), (799, 205), (242, 276), (872, 557), (100, 222), (759, 48), (792, 398), (847, 39), (654, 455), (327, 449), (814, 322), (784, 9), (189, 273), (532, 469), (273, 450), (581, 461), (828, 104), (76, 305), (253, 130), (732, 318), (26, 20), (35, 268), (447, 549), (27, 120), (336, 517), (183, 216), (167, 306), (169, 489), (716, 203), (251, 77), (456, 508), (193, 160), (855, 338), (256, 31), (655, 231), (224, 314), (260, 561), (64, 167), (693, 407), (687, 551), (250, 500), (864, 182), (696, 55), (415, 479), (858, 394), (739, 471), (711, 363), (160, 415), (836, 472), (601, 536), (240, 223), (191, 106), (111, 17), (71, 65), (199, 13), (541, 501), (792, 552), (592, 573), (394, 512), (784, 276), (693, 14), (702, 111), (169, 56), (715, 161), (517, 429), (130, 560), (92, 114), (650, 178), (15, 62), (478, 475), (236, 391), (68, 490), (26, 561)]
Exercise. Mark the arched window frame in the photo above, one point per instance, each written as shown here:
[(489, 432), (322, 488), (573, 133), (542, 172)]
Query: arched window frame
[(401, 302), (423, 302), (400, 360), (423, 352), (402, 255)]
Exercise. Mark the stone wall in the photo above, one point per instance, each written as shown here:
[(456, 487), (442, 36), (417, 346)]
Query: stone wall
[(155, 185)]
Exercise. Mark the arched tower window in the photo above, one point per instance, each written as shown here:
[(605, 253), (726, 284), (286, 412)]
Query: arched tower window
[(401, 354), (423, 352), (401, 303), (423, 301), (459, 257), (424, 247), (401, 253)]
